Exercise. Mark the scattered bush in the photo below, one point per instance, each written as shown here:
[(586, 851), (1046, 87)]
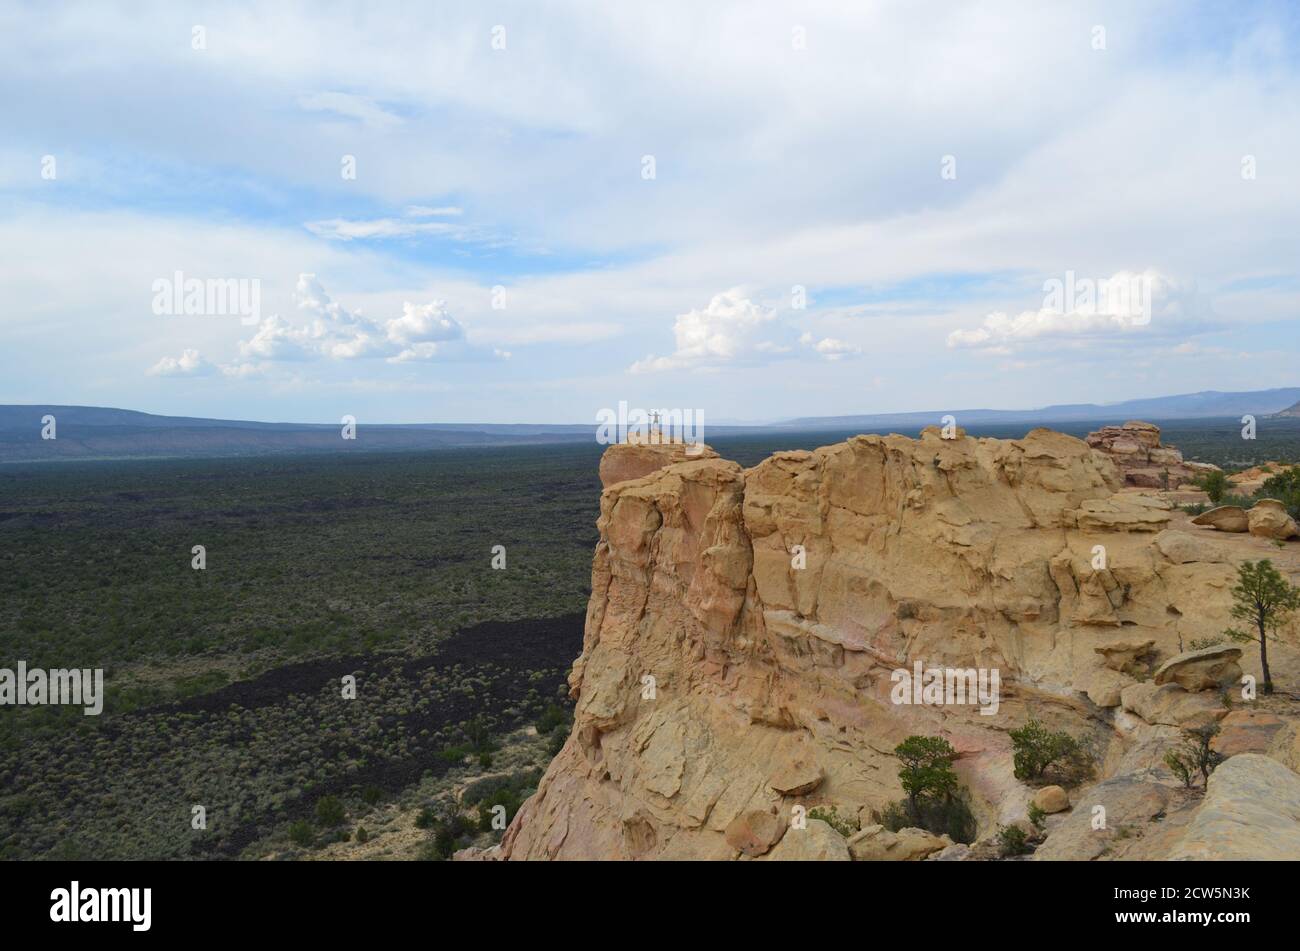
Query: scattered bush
[(1012, 841), (1037, 817), (301, 833), (1038, 749), (1285, 487), (844, 825), (362, 835), (330, 812), (1195, 756), (1215, 484)]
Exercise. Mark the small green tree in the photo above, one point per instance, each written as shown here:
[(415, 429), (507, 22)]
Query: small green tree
[(927, 771), (301, 834), (1195, 755), (1036, 748), (330, 812), (1215, 484), (1265, 601)]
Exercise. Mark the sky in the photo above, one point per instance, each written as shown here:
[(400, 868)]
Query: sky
[(524, 212)]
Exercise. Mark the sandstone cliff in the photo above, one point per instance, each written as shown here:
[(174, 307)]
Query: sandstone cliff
[(744, 624)]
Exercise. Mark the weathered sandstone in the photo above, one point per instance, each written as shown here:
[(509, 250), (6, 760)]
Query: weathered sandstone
[(745, 625)]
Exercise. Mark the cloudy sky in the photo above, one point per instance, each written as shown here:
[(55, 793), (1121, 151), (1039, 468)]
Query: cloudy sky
[(527, 212)]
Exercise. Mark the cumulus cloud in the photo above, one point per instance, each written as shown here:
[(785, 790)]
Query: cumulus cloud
[(735, 330), (726, 331), (331, 331), (189, 363), (831, 348), (1078, 310)]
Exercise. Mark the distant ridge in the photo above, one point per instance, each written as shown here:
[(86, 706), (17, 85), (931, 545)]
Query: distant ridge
[(99, 432), (1209, 404)]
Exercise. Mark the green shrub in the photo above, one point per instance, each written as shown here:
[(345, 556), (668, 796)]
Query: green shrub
[(301, 833), (1285, 487), (330, 812), (844, 825), (1012, 841), (552, 717), (1195, 755), (1037, 749), (1037, 817), (362, 835), (1215, 484)]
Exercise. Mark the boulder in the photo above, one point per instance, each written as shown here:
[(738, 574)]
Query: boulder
[(754, 832), (816, 842), (877, 844), (1225, 518), (1251, 810), (1268, 518), (1051, 799), (1206, 669)]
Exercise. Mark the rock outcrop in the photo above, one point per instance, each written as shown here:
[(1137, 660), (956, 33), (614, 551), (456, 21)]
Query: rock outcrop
[(1205, 669), (634, 460), (1268, 518), (1142, 461), (747, 629)]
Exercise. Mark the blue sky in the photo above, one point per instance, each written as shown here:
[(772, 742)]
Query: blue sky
[(853, 208)]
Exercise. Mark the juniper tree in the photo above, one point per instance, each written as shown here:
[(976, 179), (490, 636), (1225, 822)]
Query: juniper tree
[(1264, 600), (927, 770)]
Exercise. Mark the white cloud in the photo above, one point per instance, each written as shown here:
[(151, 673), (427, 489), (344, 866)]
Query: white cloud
[(725, 331), (831, 348), (332, 331), (350, 106), (1077, 311), (189, 363), (341, 229)]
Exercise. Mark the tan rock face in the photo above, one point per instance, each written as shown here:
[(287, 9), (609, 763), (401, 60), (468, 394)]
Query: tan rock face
[(1142, 461), (1251, 811), (1123, 655), (755, 832), (745, 628), (1206, 669), (1268, 518), (624, 461)]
